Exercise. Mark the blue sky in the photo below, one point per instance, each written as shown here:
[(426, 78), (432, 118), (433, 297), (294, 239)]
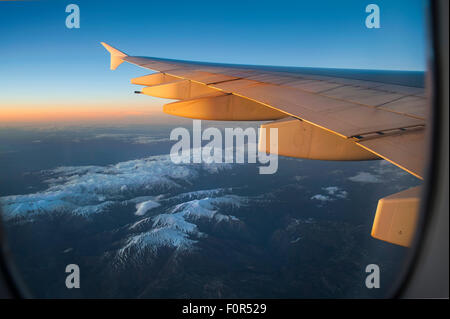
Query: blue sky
[(43, 62)]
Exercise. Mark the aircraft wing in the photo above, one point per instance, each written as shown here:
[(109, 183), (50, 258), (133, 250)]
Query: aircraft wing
[(317, 116)]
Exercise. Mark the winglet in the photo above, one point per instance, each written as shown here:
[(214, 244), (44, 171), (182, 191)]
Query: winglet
[(116, 55)]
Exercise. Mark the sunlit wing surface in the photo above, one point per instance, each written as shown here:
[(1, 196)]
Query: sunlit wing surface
[(317, 117)]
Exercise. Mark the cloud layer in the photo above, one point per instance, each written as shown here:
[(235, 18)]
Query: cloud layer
[(331, 193)]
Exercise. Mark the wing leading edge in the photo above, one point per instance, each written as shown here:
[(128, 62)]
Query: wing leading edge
[(318, 116)]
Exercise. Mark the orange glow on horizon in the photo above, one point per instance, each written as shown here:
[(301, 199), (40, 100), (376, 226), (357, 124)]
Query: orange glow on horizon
[(71, 113)]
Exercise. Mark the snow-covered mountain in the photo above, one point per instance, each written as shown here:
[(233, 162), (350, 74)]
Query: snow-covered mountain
[(90, 189), (150, 189)]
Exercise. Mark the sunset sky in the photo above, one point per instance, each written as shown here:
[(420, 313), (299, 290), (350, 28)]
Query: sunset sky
[(52, 73)]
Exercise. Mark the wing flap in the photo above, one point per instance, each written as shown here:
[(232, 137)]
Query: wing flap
[(405, 150)]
